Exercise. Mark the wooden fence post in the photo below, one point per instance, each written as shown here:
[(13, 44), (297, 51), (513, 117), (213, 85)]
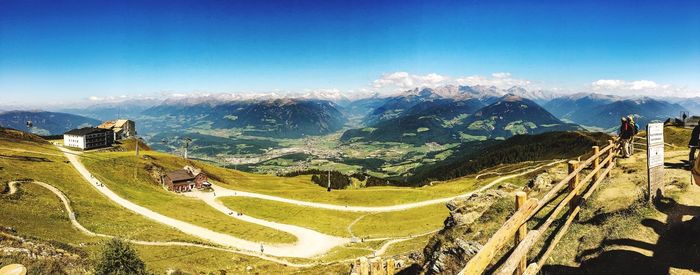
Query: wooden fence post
[(390, 266), (596, 162), (614, 149), (375, 266), (573, 165), (520, 198), (364, 266), (356, 267)]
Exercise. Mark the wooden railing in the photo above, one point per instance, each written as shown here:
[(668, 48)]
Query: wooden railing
[(374, 266), (515, 228)]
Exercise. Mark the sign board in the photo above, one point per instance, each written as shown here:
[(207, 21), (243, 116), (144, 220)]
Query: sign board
[(655, 159)]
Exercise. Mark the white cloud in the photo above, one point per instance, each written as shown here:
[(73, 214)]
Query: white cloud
[(645, 85), (401, 81), (405, 81), (500, 80), (107, 98), (501, 75), (638, 88)]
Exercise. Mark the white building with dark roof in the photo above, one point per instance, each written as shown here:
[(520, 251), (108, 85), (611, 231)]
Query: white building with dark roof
[(88, 138)]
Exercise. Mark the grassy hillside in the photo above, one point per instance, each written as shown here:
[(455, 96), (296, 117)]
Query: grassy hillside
[(130, 145), (301, 188), (37, 214), (94, 211), (676, 136), (552, 145), (126, 175), (395, 224), (19, 136), (619, 233)]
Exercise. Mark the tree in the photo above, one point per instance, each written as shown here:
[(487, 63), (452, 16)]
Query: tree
[(119, 258)]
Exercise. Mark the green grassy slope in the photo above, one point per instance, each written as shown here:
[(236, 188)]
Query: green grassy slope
[(94, 211), (392, 224), (552, 145), (125, 174)]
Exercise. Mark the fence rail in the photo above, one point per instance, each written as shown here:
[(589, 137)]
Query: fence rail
[(515, 228)]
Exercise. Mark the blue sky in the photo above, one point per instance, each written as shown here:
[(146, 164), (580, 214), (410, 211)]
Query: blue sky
[(71, 50)]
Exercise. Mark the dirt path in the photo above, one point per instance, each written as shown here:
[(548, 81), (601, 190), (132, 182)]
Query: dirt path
[(305, 237), (309, 243), (277, 250), (81, 228), (225, 192), (349, 228), (13, 187)]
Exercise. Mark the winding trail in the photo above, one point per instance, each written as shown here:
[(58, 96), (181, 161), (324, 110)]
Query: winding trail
[(308, 244), (305, 237), (225, 192), (349, 228), (82, 229)]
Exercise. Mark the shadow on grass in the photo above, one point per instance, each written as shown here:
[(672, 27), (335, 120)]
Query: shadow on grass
[(25, 158), (683, 165), (678, 246)]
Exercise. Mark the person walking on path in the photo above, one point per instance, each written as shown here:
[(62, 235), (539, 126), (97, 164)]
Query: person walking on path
[(626, 133), (693, 144), (635, 129)]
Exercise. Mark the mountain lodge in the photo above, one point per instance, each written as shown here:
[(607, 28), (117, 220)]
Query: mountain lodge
[(186, 179), (88, 138), (122, 128)]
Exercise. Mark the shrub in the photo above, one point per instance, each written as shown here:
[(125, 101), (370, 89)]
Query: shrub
[(118, 257)]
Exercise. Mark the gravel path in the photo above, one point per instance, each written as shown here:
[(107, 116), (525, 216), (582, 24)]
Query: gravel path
[(306, 246), (81, 228), (225, 192), (309, 243), (306, 238)]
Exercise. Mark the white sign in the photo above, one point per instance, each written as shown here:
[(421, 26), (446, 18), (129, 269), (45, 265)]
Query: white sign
[(656, 156), (655, 159), (655, 134)]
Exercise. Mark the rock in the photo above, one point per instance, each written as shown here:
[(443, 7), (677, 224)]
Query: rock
[(464, 211), (450, 258), (249, 269), (541, 182)]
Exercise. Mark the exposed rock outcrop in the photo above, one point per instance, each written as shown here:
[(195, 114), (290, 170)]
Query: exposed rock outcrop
[(464, 211), (41, 258), (458, 242), (541, 182)]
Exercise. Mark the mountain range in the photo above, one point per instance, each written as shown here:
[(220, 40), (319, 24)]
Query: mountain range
[(604, 111), (45, 123), (281, 118), (443, 114), (455, 114)]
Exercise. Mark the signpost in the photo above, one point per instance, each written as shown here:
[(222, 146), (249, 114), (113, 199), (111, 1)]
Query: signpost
[(655, 159)]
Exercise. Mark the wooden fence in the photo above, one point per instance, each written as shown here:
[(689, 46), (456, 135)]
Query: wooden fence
[(577, 191), (374, 266)]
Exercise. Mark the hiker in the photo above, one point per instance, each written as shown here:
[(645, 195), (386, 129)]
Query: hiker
[(695, 170), (693, 144), (626, 133), (635, 128)]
